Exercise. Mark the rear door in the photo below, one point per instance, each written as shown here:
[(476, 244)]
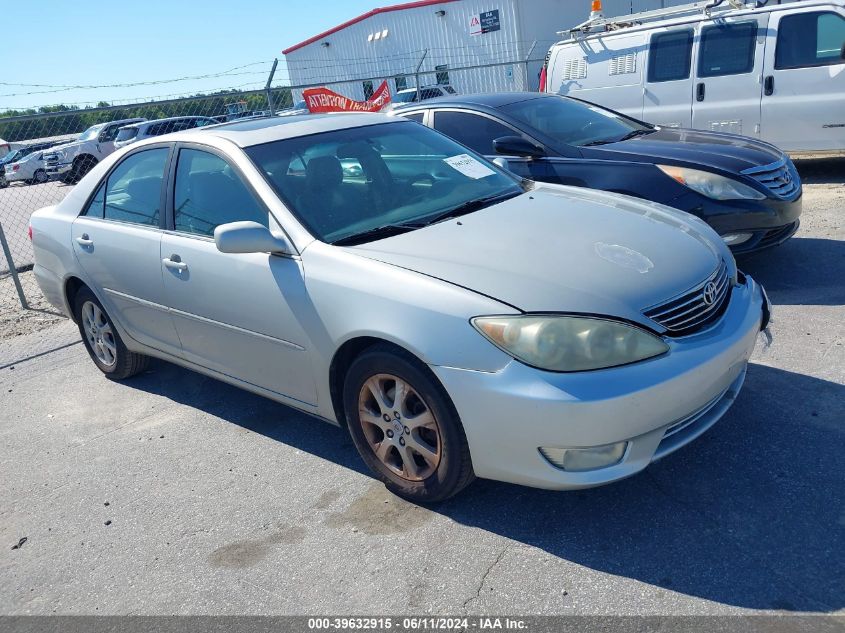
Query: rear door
[(804, 85), (117, 240), (668, 88), (729, 74)]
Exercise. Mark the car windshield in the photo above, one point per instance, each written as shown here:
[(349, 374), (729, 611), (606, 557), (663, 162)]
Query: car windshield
[(574, 122), (11, 157), (350, 185), (405, 97), (91, 133)]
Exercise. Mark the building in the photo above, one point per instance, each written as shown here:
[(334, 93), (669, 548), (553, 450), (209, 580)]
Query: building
[(499, 44)]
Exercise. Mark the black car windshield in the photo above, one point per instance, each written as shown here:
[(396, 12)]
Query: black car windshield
[(405, 96), (358, 181), (574, 122)]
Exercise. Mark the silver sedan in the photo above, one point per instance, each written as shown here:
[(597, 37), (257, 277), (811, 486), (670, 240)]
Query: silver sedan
[(458, 321)]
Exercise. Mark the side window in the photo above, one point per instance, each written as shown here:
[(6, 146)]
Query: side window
[(670, 56), (133, 189), (416, 116), (474, 131), (97, 205), (209, 193), (810, 39), (727, 49), (109, 134)]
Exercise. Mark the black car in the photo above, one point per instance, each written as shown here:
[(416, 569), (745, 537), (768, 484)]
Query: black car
[(747, 190)]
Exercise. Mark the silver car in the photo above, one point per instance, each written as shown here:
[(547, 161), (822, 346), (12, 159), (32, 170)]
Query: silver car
[(370, 271)]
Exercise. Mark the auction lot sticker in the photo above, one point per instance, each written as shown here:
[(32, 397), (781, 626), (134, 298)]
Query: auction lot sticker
[(469, 166)]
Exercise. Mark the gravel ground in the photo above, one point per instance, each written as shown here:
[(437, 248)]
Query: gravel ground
[(175, 494)]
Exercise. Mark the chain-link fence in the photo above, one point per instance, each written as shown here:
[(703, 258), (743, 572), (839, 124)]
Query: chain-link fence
[(51, 148)]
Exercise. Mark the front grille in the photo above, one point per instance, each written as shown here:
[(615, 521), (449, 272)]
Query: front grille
[(781, 178), (776, 236), (696, 308)]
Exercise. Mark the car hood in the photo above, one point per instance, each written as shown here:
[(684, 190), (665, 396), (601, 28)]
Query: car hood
[(67, 147), (694, 147), (563, 249)]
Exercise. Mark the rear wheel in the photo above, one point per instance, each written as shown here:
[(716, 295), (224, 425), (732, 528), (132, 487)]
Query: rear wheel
[(405, 427), (102, 340), (40, 177)]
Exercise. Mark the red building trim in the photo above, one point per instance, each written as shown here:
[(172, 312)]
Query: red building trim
[(361, 18)]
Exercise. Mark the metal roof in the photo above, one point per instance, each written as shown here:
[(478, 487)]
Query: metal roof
[(361, 18)]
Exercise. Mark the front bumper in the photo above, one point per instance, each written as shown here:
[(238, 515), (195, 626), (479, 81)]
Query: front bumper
[(657, 406), (770, 221), (58, 169)]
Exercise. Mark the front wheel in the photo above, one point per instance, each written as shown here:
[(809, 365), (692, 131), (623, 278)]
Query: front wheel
[(405, 427), (102, 340)]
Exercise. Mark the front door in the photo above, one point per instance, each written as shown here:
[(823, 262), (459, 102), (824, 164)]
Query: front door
[(804, 81), (117, 240), (235, 313), (729, 74), (478, 131)]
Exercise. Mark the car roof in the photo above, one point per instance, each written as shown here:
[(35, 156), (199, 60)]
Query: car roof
[(488, 100), (246, 133), (140, 124)]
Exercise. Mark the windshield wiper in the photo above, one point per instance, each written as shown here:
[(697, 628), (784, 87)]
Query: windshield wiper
[(470, 206), (629, 135), (377, 233), (634, 134)]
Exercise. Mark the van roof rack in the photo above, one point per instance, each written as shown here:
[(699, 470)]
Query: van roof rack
[(603, 24)]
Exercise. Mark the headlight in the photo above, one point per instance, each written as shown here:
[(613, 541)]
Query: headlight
[(711, 185), (564, 343)]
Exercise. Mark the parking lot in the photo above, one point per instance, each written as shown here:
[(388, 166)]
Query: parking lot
[(174, 493)]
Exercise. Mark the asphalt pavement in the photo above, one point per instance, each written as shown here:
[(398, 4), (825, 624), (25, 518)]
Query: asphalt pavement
[(172, 493)]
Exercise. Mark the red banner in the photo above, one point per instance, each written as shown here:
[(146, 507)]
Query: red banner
[(321, 100)]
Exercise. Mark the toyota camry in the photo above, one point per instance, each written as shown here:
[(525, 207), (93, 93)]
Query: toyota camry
[(460, 322)]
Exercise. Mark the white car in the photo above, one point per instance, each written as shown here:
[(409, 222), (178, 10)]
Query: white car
[(25, 164), (412, 95), (775, 72), (71, 161), (135, 132)]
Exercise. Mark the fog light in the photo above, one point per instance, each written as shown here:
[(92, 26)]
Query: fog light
[(732, 239), (581, 459)]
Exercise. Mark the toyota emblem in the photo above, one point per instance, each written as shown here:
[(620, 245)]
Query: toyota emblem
[(710, 292)]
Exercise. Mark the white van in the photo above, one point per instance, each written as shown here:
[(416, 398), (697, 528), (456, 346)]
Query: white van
[(772, 72)]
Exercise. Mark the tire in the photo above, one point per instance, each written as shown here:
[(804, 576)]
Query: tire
[(80, 168), (104, 345), (40, 177), (419, 449)]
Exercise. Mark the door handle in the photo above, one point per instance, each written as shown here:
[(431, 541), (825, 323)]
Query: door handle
[(174, 262), (769, 85), (84, 240), (699, 92)]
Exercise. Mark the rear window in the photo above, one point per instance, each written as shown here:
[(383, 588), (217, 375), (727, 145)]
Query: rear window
[(810, 39), (670, 56), (727, 49), (126, 133)]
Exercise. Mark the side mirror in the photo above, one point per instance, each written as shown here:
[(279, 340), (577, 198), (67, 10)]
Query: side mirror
[(517, 146), (248, 237)]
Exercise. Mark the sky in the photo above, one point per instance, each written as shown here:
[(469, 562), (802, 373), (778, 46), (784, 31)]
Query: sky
[(108, 42)]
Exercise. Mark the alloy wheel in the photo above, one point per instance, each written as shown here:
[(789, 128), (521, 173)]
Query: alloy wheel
[(400, 427), (99, 333)]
